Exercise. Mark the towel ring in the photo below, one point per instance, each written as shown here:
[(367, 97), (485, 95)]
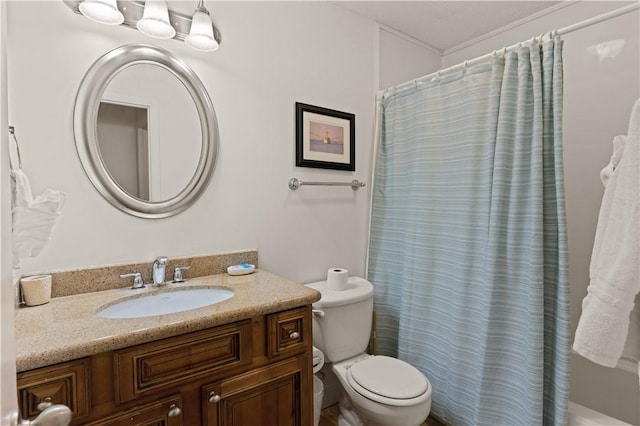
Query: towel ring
[(12, 132)]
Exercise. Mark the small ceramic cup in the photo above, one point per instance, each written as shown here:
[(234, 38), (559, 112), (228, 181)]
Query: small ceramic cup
[(36, 289)]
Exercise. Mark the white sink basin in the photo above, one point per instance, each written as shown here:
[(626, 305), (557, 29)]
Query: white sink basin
[(167, 302)]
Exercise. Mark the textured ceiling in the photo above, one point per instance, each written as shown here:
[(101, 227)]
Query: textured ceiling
[(445, 24)]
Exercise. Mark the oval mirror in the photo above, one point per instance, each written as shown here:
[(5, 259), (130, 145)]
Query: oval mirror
[(146, 131)]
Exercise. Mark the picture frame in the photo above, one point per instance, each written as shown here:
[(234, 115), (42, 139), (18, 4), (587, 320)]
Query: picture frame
[(325, 138)]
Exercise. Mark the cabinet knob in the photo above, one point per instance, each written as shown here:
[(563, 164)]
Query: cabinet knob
[(44, 404), (294, 335), (174, 411), (213, 397)]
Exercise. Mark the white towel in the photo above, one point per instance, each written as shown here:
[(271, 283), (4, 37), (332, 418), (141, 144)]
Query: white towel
[(618, 149), (614, 271), (33, 219)]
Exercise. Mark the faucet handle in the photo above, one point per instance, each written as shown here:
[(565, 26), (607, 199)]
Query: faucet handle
[(177, 274), (137, 279)]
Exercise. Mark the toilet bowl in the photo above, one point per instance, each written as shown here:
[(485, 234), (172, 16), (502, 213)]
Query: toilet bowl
[(375, 390), (382, 391)]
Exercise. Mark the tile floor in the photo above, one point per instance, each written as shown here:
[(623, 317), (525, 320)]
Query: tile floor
[(329, 417)]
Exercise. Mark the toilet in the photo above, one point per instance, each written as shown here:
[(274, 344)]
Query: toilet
[(375, 390)]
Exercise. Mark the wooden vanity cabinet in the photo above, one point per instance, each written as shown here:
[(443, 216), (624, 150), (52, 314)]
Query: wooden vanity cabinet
[(251, 372)]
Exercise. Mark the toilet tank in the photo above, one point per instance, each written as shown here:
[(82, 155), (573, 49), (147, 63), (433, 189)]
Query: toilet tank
[(344, 329)]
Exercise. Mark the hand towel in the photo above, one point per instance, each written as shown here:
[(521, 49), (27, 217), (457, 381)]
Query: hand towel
[(33, 218), (614, 270)]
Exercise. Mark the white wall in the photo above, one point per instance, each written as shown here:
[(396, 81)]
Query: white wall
[(272, 55), (598, 96), (8, 400), (402, 59)]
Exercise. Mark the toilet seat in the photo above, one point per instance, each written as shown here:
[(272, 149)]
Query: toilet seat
[(388, 381)]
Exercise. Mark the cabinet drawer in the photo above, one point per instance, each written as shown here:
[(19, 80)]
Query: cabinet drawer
[(148, 367), (289, 332), (66, 383), (165, 412)]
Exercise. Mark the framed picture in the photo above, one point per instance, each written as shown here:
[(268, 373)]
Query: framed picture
[(325, 138)]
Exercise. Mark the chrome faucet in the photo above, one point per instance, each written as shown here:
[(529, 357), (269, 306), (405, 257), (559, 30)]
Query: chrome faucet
[(159, 270)]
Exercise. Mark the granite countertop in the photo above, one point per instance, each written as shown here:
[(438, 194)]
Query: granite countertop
[(68, 328)]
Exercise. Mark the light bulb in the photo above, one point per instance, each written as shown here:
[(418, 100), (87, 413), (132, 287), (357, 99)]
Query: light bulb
[(102, 11), (155, 20), (201, 34)]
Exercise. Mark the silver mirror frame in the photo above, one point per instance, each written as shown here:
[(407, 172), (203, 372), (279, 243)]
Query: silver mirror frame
[(85, 116)]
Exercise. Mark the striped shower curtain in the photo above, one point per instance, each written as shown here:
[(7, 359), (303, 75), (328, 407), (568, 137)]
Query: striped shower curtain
[(468, 244)]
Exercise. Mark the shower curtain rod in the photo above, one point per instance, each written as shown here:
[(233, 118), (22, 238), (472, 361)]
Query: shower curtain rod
[(566, 30)]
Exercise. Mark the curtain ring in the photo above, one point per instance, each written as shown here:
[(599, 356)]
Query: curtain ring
[(464, 66), (395, 90), (415, 83), (504, 52)]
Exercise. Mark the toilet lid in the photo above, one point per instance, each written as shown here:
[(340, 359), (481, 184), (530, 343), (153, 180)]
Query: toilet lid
[(389, 377)]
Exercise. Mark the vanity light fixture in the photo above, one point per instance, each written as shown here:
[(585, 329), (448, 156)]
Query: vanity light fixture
[(201, 34), (102, 11), (153, 18)]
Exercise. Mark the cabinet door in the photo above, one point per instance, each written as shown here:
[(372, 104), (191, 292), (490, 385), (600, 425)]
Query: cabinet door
[(165, 412), (66, 383), (276, 395)]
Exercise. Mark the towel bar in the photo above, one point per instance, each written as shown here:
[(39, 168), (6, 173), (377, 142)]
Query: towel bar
[(295, 183)]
